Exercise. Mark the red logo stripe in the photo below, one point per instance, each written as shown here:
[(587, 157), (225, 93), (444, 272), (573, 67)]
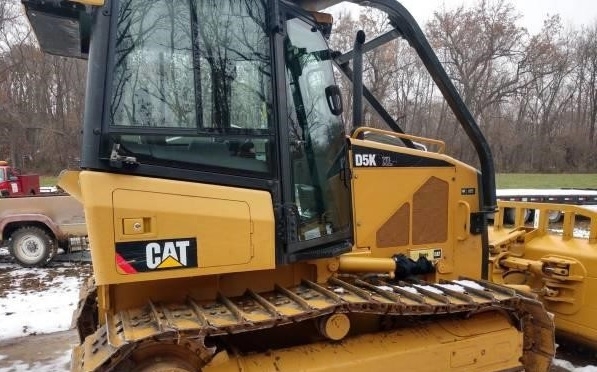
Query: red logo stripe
[(124, 265)]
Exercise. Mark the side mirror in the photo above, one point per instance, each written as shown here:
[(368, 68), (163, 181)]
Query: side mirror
[(334, 99)]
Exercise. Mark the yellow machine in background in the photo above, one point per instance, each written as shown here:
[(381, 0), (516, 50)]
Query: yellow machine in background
[(234, 224), (560, 268)]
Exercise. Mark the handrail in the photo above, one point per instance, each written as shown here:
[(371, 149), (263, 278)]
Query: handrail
[(440, 144), (570, 213)]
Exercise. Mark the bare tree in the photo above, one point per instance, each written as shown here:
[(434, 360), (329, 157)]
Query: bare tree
[(40, 104), (535, 95), (483, 50), (587, 79)]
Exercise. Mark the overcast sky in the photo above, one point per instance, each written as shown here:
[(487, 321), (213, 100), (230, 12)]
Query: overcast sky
[(573, 12)]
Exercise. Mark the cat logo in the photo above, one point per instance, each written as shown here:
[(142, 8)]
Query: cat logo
[(171, 254), (431, 254), (168, 254)]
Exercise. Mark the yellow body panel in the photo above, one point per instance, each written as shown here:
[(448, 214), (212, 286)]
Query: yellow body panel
[(233, 227), (431, 207)]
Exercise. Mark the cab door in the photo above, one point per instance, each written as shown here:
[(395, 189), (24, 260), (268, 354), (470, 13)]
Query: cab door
[(316, 186)]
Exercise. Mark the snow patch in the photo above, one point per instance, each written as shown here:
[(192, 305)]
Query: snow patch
[(37, 312), (453, 287), (429, 288), (578, 233), (385, 288), (470, 284), (410, 289), (564, 364), (61, 363)]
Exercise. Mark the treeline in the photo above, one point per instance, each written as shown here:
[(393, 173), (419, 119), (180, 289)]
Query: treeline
[(533, 94), (41, 99)]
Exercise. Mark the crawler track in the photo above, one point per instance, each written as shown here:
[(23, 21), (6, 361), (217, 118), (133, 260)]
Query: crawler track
[(111, 345)]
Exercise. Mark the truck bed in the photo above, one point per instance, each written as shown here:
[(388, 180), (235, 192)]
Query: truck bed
[(565, 196), (62, 209)]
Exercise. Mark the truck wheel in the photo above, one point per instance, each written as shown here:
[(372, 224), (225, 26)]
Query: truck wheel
[(32, 247), (510, 215)]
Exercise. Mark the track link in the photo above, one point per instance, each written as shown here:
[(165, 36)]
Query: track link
[(194, 320)]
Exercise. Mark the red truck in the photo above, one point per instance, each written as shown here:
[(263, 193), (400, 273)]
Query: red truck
[(13, 183)]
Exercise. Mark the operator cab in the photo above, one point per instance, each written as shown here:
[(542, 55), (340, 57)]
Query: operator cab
[(209, 92)]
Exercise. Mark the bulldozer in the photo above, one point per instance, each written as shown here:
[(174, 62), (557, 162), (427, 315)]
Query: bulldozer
[(559, 268), (237, 224)]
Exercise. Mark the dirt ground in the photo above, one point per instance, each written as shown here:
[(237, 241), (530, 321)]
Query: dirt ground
[(36, 352), (32, 282), (31, 352)]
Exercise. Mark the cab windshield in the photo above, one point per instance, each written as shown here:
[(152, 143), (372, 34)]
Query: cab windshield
[(191, 84)]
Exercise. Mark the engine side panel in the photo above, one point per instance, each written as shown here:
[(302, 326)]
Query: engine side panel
[(145, 229), (416, 203)]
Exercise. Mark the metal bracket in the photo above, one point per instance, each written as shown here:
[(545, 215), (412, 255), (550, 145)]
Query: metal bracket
[(477, 222), (119, 161)]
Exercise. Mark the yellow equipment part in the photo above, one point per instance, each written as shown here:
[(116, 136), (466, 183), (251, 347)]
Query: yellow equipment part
[(484, 342), (485, 327), (428, 214), (560, 268), (89, 2), (232, 228), (137, 241)]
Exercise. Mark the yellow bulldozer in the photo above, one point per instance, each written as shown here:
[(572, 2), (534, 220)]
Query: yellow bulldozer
[(560, 268), (235, 224)]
